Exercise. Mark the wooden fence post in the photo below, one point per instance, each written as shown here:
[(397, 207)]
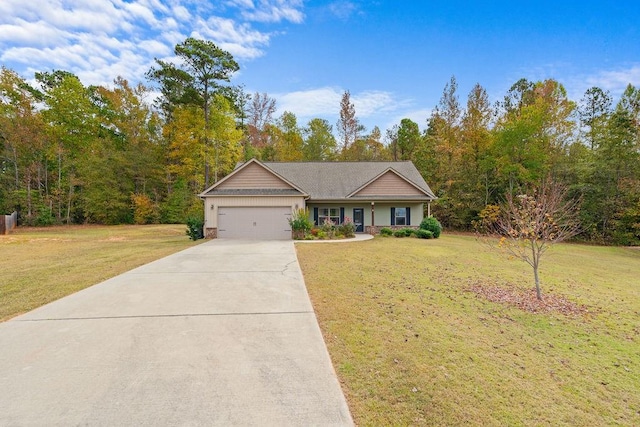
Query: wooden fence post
[(3, 226)]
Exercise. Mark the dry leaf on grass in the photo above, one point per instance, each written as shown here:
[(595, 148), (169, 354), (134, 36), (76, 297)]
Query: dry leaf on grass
[(526, 299)]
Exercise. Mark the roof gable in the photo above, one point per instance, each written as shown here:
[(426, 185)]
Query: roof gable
[(389, 183), (253, 176)]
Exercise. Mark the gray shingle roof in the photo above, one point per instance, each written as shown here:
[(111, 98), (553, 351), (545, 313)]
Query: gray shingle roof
[(253, 192), (337, 180)]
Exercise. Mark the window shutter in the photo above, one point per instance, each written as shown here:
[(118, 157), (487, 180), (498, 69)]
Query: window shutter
[(408, 222), (341, 215), (393, 216), (315, 216)]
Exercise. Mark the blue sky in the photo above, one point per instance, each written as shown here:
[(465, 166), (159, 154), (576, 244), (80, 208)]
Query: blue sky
[(394, 57)]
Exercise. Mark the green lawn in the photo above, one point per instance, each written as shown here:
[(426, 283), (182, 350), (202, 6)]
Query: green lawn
[(412, 346), (40, 265)]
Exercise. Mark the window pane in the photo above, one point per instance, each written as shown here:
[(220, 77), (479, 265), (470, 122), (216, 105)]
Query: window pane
[(400, 221), (401, 212), (335, 212)]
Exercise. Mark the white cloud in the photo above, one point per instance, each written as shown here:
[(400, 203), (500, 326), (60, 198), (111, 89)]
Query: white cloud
[(32, 33), (181, 13), (155, 48), (615, 81), (227, 30), (100, 39), (372, 107), (370, 103), (137, 10), (95, 16), (311, 103), (241, 40), (343, 9), (270, 10), (246, 4)]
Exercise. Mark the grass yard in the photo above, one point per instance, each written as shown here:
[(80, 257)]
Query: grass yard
[(413, 346), (40, 265)]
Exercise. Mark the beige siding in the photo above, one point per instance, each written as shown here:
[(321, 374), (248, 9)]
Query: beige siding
[(211, 215), (254, 176), (389, 184)]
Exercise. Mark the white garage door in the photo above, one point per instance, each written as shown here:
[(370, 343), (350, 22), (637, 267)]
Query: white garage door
[(269, 223)]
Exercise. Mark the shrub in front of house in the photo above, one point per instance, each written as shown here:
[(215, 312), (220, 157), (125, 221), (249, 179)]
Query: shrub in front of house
[(328, 228), (423, 234), (386, 231), (300, 223), (408, 232), (433, 225), (195, 228), (399, 233), (347, 228)]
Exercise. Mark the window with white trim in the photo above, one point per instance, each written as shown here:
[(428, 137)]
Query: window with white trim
[(331, 214), (401, 216)]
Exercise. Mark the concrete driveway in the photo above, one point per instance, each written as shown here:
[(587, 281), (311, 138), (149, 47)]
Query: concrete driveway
[(219, 334)]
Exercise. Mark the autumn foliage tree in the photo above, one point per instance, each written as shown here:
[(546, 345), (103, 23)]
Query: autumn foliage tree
[(527, 225), (349, 127)]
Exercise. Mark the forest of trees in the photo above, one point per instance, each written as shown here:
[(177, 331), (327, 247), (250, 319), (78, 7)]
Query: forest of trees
[(72, 153)]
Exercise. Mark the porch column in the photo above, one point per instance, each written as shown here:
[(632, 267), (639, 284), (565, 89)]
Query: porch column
[(373, 214)]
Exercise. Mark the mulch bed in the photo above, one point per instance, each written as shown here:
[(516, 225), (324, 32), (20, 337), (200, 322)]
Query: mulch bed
[(526, 300)]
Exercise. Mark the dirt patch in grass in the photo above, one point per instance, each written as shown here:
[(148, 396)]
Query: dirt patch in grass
[(526, 300), (114, 239)]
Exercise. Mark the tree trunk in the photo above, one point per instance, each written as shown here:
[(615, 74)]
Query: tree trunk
[(537, 279), (59, 195), (29, 212), (15, 167), (70, 195)]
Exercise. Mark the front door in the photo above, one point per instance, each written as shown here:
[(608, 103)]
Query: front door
[(358, 219)]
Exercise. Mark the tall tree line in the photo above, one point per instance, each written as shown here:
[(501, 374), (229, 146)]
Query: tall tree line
[(475, 156), (72, 153)]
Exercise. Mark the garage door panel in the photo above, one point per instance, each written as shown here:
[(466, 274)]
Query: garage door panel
[(269, 223)]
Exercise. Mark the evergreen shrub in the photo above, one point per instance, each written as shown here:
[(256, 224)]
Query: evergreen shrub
[(431, 224)]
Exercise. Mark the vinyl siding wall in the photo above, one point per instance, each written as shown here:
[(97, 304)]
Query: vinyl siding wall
[(390, 184), (252, 177)]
